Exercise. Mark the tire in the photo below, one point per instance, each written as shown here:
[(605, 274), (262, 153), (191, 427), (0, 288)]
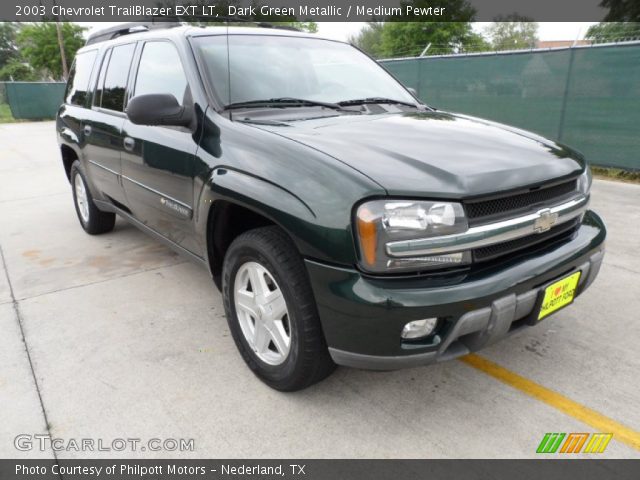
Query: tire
[(93, 221), (268, 253)]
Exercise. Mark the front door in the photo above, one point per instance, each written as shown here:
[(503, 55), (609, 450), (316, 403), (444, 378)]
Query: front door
[(159, 163)]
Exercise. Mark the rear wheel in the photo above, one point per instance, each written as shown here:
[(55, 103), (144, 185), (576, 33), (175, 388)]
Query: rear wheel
[(271, 311), (93, 221)]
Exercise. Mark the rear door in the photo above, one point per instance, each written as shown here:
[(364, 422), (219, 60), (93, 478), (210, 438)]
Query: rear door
[(159, 163), (102, 126), (77, 96)]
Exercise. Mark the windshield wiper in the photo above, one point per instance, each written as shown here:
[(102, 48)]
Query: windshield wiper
[(363, 101), (283, 102)]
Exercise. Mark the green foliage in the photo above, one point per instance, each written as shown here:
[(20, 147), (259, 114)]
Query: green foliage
[(622, 10), (5, 114), (311, 27), (409, 39), (17, 71), (614, 32), (616, 174), (475, 42), (404, 37), (513, 32), (38, 43), (369, 39), (8, 49)]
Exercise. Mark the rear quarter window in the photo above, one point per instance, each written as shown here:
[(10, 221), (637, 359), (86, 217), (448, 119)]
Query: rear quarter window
[(78, 84), (112, 91)]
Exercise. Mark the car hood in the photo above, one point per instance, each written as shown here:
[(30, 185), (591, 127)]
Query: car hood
[(435, 153)]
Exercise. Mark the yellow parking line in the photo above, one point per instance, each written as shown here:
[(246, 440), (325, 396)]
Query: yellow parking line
[(555, 400)]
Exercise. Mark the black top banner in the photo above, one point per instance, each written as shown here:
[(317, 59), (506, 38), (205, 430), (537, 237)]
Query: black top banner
[(317, 10)]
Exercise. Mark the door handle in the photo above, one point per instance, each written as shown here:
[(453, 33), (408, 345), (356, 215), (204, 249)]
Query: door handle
[(129, 143), (87, 130)]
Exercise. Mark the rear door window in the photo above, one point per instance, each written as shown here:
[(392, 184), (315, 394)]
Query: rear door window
[(115, 79), (78, 85)]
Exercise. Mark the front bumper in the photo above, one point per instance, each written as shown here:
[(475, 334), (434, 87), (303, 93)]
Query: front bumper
[(362, 317)]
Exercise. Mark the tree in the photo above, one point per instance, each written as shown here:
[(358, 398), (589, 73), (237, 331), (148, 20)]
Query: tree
[(38, 44), (311, 27), (369, 39), (8, 49), (411, 38), (613, 32), (622, 10), (512, 32), (17, 71), (402, 36)]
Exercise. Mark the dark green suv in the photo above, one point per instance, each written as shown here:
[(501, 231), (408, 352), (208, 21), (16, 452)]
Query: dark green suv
[(344, 221)]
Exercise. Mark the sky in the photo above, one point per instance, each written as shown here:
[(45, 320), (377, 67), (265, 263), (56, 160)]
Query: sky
[(342, 30)]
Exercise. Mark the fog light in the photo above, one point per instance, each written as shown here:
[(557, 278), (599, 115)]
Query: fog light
[(419, 328)]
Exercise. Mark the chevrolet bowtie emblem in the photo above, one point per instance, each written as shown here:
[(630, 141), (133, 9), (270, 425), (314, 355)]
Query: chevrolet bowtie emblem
[(546, 219)]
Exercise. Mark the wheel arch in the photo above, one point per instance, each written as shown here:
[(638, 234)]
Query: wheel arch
[(233, 202), (69, 155)]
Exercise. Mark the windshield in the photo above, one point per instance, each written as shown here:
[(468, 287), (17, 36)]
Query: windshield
[(272, 67)]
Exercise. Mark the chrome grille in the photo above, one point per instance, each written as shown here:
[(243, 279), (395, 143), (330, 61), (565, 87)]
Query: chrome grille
[(484, 211), (540, 240)]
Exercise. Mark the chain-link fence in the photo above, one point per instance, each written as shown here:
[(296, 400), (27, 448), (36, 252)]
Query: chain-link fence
[(587, 97)]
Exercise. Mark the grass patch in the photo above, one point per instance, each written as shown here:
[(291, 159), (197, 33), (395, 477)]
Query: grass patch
[(5, 113), (616, 174)]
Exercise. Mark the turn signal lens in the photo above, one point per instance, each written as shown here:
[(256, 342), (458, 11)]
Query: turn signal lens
[(367, 235)]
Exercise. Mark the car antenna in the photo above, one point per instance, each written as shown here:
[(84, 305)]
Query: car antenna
[(229, 71)]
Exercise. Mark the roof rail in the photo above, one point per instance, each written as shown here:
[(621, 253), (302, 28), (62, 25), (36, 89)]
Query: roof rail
[(126, 29), (278, 27), (242, 20)]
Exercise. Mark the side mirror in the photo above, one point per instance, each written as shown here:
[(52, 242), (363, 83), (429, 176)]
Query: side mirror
[(158, 109), (413, 91)]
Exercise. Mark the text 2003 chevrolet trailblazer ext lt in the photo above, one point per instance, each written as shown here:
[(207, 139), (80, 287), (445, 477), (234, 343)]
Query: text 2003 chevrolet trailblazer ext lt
[(344, 221)]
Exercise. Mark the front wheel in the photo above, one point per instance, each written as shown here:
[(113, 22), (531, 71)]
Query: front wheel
[(271, 311)]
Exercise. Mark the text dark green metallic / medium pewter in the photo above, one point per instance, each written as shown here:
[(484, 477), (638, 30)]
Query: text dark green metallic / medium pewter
[(344, 221)]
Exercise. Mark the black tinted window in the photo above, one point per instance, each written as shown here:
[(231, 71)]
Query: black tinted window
[(161, 71), (115, 80), (78, 84), (103, 69)]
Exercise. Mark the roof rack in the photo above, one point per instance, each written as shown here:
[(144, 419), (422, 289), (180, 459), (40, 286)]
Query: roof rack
[(126, 29), (136, 27)]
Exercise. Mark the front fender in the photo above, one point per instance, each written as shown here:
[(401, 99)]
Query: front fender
[(281, 206), (306, 192)]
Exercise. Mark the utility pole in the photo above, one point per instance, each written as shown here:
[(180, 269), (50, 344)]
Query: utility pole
[(63, 57)]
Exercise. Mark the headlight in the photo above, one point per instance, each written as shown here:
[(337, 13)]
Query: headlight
[(381, 221), (585, 180)]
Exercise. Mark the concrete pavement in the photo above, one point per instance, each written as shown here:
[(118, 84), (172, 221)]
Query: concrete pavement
[(123, 339)]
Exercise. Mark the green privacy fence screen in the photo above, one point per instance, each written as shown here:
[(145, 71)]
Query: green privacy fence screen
[(585, 97), (33, 100)]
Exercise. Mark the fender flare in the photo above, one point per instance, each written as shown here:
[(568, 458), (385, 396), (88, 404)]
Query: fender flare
[(267, 199)]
